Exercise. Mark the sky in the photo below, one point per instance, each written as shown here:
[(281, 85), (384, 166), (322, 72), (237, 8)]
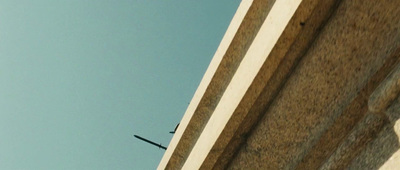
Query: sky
[(79, 78)]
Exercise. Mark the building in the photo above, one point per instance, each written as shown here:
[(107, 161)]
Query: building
[(298, 84)]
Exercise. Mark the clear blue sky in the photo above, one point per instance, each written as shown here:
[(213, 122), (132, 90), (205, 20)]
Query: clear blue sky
[(78, 78)]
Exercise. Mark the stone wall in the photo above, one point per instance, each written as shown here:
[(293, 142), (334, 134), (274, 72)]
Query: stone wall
[(298, 84)]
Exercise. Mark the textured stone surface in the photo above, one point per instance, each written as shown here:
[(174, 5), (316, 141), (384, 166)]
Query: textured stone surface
[(244, 76), (387, 142), (237, 40), (362, 134), (317, 98), (327, 79), (292, 44), (344, 124), (381, 149), (377, 152), (386, 93)]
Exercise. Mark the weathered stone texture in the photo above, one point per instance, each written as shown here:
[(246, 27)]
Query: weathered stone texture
[(377, 152), (350, 49), (226, 69), (326, 95), (386, 101)]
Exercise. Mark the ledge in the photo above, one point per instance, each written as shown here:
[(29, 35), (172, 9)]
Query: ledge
[(295, 84)]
